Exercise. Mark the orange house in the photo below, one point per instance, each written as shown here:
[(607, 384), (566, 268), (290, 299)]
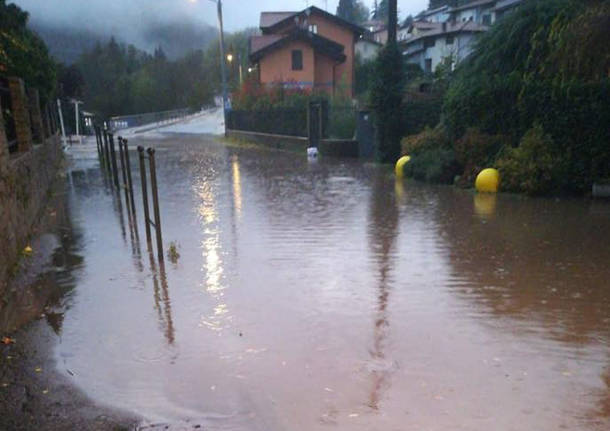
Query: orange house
[(309, 49)]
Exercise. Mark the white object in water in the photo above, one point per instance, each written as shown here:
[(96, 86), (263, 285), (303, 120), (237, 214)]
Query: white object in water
[(312, 153)]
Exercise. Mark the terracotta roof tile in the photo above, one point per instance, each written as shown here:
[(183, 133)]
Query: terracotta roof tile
[(260, 42), (270, 18)]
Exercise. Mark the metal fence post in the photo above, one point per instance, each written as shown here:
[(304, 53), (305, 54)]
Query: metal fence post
[(124, 185), (115, 170), (155, 197), (106, 151), (129, 181), (144, 193)]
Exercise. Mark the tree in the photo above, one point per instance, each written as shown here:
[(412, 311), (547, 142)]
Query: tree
[(23, 53), (387, 95), (544, 64), (352, 10), (381, 11)]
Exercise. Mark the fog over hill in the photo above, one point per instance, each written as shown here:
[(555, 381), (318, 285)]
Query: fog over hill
[(70, 27), (175, 38)]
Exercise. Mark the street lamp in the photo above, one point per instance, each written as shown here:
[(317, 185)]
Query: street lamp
[(223, 74)]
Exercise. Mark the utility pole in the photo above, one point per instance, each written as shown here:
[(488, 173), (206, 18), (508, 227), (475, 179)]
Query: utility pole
[(392, 20), (223, 73)]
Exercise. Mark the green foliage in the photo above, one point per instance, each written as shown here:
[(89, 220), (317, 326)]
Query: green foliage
[(546, 63), (476, 151), (426, 140), (432, 158), (23, 53), (533, 166), (341, 118), (122, 80), (380, 10), (386, 102), (364, 72), (352, 10), (420, 110)]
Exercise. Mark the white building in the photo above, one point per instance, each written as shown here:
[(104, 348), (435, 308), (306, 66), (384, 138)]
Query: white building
[(367, 49), (440, 14), (447, 40), (448, 33)]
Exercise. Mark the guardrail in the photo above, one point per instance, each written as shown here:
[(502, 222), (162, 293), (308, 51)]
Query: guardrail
[(128, 121)]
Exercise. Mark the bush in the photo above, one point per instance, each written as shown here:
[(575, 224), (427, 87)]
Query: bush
[(545, 64), (432, 158), (435, 165), (342, 122), (532, 167), (476, 151), (428, 139)]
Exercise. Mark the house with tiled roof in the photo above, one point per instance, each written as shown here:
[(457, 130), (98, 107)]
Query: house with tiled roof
[(309, 49), (447, 33)]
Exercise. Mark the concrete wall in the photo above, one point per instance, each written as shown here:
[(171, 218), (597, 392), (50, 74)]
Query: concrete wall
[(25, 178)]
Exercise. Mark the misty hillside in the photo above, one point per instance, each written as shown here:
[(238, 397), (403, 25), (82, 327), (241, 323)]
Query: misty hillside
[(176, 39)]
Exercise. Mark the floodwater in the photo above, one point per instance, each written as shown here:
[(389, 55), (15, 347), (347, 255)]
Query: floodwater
[(325, 295)]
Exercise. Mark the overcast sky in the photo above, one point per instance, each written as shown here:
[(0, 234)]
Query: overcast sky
[(112, 15)]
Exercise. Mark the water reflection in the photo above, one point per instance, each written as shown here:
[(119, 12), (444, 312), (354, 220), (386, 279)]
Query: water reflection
[(236, 177), (49, 294), (162, 300), (211, 251), (485, 204), (383, 229)]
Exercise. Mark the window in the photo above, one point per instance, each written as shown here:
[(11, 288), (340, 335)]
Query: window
[(297, 59), (428, 68), (487, 19), (449, 40), (313, 28), (429, 43)]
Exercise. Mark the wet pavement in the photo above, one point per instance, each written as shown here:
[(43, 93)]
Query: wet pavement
[(325, 295)]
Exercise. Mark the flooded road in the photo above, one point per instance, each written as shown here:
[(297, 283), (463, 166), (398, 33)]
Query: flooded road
[(313, 296)]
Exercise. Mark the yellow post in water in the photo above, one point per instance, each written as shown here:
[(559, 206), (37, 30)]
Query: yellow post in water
[(488, 180), (399, 168)]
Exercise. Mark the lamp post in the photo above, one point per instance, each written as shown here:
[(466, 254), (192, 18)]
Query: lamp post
[(223, 73), (230, 58)]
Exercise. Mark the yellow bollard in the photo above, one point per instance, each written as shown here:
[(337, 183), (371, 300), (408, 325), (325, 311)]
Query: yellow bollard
[(398, 169), (488, 180)]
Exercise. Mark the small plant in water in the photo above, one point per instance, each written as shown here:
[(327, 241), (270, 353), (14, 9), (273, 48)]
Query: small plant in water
[(172, 252)]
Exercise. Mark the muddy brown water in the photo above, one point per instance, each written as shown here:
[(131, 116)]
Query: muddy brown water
[(325, 295)]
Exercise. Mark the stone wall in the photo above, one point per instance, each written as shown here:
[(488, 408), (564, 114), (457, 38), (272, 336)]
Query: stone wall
[(26, 177)]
